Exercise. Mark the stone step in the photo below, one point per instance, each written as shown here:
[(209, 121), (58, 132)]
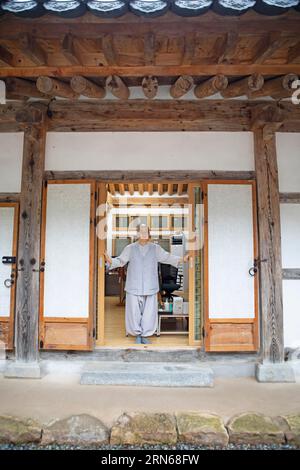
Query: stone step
[(147, 374)]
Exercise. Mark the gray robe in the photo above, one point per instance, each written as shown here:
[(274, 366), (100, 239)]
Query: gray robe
[(142, 284)]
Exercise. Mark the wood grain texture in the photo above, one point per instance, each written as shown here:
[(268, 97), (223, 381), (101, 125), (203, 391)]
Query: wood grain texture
[(27, 301), (269, 245)]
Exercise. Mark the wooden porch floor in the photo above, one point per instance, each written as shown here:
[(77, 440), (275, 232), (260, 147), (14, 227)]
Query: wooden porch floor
[(115, 330)]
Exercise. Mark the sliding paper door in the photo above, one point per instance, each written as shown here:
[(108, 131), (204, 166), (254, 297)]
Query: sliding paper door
[(8, 248), (230, 250), (67, 264)]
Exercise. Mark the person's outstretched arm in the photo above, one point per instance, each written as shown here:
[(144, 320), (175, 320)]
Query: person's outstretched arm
[(120, 260), (165, 257)]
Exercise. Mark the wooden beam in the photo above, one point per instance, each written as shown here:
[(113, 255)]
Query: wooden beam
[(228, 47), (211, 86), (160, 189), (182, 86), (112, 189), (52, 87), (82, 86), (32, 49), (27, 298), (277, 87), (150, 189), (131, 189), (141, 189), (121, 189), (291, 274), (149, 48), (150, 87), (117, 87), (6, 57), (243, 87), (294, 53), (9, 197), (270, 266), (21, 87), (205, 70), (149, 175), (180, 189), (268, 45), (109, 50), (188, 49), (151, 200), (217, 115), (290, 198), (69, 50), (170, 189)]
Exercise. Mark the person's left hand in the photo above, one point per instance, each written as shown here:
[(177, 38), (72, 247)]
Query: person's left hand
[(186, 257)]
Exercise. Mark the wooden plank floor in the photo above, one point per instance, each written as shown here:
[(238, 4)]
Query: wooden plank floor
[(115, 330)]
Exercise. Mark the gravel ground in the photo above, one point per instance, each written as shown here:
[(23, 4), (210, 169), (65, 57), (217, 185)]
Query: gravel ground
[(180, 447)]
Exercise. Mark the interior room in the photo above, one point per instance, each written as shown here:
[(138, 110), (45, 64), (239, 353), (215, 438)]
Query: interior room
[(164, 209)]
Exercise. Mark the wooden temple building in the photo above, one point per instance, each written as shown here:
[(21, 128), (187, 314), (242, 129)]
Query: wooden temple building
[(188, 112)]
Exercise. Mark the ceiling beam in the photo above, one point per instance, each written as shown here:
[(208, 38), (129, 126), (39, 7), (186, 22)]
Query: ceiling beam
[(228, 47), (141, 71), (156, 115), (70, 50), (6, 57), (117, 87), (211, 86), (82, 86), (182, 86), (32, 49), (294, 53), (150, 87), (267, 46), (52, 87), (149, 48), (243, 87), (21, 87), (109, 49)]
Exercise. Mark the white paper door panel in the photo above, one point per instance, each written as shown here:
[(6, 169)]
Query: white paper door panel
[(231, 251), (6, 247), (66, 289)]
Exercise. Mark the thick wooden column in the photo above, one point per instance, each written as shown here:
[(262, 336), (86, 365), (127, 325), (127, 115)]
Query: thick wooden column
[(270, 265), (27, 301)]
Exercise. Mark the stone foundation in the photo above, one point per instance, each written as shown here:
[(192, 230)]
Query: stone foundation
[(138, 429)]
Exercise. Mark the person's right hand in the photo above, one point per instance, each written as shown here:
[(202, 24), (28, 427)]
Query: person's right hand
[(107, 257)]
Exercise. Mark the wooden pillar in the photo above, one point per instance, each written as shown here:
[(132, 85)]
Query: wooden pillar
[(272, 368), (27, 301)]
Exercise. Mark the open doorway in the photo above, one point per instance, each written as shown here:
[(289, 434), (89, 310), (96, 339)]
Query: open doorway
[(165, 209)]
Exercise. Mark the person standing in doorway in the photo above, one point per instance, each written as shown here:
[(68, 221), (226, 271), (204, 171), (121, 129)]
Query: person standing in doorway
[(142, 284)]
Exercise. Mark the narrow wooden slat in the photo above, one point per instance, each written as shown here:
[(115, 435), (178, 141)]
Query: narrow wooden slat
[(109, 50), (149, 48), (32, 49), (291, 274), (228, 47), (6, 57), (69, 50), (290, 198)]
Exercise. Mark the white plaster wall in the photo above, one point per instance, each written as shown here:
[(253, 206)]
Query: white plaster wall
[(290, 235), (149, 151), (11, 151), (291, 309), (288, 155)]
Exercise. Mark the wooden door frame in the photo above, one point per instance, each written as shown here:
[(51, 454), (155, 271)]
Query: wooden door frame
[(89, 321), (255, 320), (102, 192), (10, 320)]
